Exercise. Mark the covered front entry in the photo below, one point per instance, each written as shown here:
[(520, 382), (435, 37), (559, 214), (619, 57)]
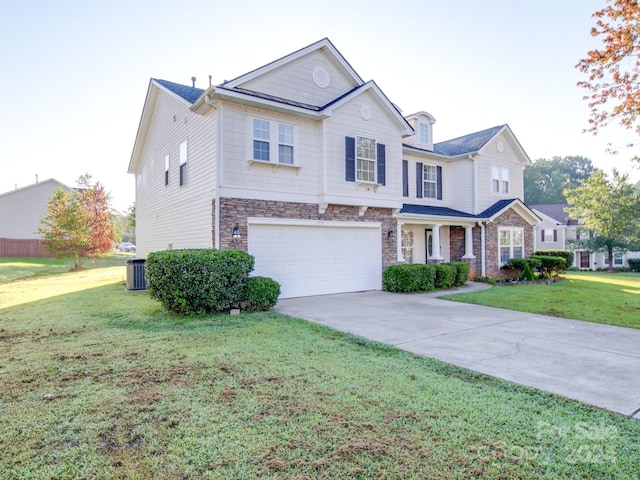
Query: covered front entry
[(309, 257)]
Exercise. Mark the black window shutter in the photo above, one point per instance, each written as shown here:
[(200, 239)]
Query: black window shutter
[(542, 235), (382, 162), (439, 182), (350, 159), (419, 180), (555, 235), (405, 178)]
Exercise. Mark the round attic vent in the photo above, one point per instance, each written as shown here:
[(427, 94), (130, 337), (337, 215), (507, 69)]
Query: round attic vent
[(365, 112), (321, 77)]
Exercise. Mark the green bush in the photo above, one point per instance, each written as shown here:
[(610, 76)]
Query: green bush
[(260, 294), (634, 264), (520, 264), (527, 274), (414, 277), (197, 281), (462, 273), (445, 276), (550, 266), (566, 254)]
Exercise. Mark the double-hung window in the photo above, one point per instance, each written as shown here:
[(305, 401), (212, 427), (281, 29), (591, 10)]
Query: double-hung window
[(272, 137), (183, 163), (365, 159), (499, 180), (285, 144), (511, 244), (261, 137), (429, 181), (423, 133)]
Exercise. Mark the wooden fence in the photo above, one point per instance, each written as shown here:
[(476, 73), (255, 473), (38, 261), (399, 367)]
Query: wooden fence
[(10, 247)]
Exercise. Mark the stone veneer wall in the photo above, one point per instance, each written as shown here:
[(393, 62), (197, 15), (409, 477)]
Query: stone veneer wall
[(456, 250), (236, 211), (508, 219)]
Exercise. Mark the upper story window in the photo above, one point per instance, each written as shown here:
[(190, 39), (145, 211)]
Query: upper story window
[(423, 133), (511, 244), (280, 135), (261, 137), (429, 181), (183, 163), (365, 159), (166, 170), (499, 180)]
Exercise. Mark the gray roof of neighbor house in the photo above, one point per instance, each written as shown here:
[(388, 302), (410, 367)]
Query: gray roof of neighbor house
[(467, 143), (555, 211), (190, 94)]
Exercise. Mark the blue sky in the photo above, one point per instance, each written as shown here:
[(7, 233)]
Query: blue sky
[(75, 73)]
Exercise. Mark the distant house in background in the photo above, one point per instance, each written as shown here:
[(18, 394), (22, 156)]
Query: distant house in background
[(556, 231), (20, 212)]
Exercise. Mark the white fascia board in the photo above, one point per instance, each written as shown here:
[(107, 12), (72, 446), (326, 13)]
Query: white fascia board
[(250, 100), (436, 156), (436, 219), (325, 43), (143, 125), (170, 93), (355, 200), (522, 210), (311, 223)]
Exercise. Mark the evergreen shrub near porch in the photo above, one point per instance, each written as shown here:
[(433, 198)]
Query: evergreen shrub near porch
[(202, 281), (634, 264), (424, 277)]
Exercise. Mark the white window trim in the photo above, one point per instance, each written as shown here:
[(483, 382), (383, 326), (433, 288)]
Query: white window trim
[(500, 175), (374, 160), (426, 167), (184, 157), (274, 144), (511, 244), (427, 128)]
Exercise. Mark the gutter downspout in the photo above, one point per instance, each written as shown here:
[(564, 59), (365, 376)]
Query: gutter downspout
[(216, 208), (483, 254), (474, 187)]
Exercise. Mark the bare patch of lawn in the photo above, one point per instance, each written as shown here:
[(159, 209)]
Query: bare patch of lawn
[(101, 383)]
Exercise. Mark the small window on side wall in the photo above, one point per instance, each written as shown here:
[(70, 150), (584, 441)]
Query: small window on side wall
[(183, 163), (166, 170)]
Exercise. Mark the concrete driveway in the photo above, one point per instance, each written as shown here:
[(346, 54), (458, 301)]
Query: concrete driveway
[(592, 363)]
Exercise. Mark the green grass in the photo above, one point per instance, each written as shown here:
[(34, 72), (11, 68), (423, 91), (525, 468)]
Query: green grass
[(98, 382), (15, 268), (600, 297)]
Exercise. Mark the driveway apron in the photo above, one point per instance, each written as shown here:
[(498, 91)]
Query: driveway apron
[(593, 363)]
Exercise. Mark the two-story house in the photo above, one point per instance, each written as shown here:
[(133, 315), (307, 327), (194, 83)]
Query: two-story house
[(318, 175)]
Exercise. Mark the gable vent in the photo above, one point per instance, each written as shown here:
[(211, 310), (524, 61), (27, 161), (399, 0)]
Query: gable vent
[(321, 77)]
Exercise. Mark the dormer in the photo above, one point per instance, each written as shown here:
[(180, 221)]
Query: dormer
[(422, 123)]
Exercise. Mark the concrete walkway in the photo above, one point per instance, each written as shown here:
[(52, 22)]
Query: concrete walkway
[(593, 363)]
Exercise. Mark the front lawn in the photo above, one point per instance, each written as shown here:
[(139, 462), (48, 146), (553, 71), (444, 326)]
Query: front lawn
[(600, 297), (100, 383)]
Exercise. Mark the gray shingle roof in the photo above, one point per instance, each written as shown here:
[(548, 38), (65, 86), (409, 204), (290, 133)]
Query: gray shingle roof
[(496, 207), (555, 211), (467, 143), (450, 212), (190, 94), (273, 98)]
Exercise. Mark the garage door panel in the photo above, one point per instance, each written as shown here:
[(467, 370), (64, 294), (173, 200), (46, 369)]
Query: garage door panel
[(315, 260)]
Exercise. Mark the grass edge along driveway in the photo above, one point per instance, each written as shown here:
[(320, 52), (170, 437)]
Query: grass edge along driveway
[(100, 383)]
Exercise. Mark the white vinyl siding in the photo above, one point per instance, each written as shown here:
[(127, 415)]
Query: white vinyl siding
[(171, 215)]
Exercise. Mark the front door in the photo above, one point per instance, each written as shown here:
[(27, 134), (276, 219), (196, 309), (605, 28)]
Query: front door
[(584, 260), (428, 241)]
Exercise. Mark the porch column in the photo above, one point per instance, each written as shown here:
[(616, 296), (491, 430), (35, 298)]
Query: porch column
[(468, 242), (400, 257), (436, 243)]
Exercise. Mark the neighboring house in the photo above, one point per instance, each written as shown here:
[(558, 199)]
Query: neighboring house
[(556, 231), (318, 175), (20, 212)]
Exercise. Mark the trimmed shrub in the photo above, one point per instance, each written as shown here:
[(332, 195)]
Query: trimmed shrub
[(409, 278), (198, 281), (634, 264), (462, 273), (527, 274), (445, 275), (519, 264), (550, 266), (260, 294), (566, 254)]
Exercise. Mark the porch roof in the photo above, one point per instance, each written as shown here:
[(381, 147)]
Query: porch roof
[(487, 215), (435, 211)]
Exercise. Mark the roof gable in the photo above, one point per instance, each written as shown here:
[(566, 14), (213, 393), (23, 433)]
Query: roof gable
[(488, 215), (555, 211), (52, 182), (190, 94)]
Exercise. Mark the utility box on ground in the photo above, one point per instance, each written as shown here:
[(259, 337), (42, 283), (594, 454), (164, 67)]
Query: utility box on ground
[(135, 274)]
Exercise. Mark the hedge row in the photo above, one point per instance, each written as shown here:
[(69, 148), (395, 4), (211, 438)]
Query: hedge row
[(566, 254), (634, 264), (425, 277), (201, 281)]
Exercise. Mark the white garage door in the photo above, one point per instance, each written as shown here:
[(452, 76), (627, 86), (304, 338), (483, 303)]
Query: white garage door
[(318, 258)]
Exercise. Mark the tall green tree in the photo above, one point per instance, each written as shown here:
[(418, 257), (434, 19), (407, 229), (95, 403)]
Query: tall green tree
[(545, 180), (78, 224), (609, 207)]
